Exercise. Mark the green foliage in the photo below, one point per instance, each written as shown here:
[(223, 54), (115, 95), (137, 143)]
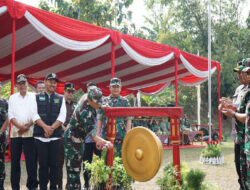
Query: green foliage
[(120, 178), (6, 90), (98, 170), (195, 178), (100, 173), (78, 94), (105, 13), (191, 180), (212, 150), (168, 181)]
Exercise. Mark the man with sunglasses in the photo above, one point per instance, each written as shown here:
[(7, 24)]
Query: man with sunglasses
[(69, 90)]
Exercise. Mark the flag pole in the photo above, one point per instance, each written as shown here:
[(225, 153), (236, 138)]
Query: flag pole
[(209, 67), (198, 101)]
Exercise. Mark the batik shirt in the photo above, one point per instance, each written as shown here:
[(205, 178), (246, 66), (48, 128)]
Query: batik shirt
[(82, 123), (120, 121)]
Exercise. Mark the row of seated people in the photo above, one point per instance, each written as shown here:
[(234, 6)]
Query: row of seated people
[(161, 127)]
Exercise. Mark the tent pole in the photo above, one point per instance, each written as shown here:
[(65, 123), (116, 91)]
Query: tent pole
[(13, 55), (176, 82), (112, 61), (219, 115), (138, 99), (110, 136), (12, 68)]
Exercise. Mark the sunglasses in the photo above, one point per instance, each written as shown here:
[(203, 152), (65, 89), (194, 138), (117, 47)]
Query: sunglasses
[(71, 91)]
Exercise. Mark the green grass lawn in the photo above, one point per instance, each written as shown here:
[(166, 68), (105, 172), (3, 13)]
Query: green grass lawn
[(223, 176)]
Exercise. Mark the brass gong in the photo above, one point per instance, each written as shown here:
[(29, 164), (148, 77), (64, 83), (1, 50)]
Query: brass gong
[(141, 153)]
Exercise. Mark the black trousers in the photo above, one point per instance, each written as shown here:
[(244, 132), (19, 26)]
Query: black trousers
[(17, 146), (48, 155), (237, 162), (90, 148), (60, 163)]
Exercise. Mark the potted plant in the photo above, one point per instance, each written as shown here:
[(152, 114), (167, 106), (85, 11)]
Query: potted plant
[(212, 154), (100, 174)]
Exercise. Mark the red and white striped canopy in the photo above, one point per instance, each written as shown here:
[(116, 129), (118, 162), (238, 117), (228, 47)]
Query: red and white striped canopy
[(80, 52)]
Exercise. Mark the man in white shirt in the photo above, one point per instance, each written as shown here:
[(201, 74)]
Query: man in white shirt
[(48, 131), (22, 106)]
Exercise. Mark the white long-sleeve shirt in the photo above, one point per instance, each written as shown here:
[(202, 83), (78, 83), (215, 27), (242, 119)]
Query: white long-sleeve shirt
[(23, 109)]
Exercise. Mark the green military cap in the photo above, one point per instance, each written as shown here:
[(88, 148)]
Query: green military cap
[(89, 84), (246, 62), (52, 76), (69, 86), (115, 81), (239, 67), (95, 95), (21, 78)]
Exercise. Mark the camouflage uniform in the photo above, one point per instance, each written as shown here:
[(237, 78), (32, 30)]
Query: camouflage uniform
[(163, 127), (3, 115), (240, 139), (247, 138), (82, 125), (120, 122), (246, 101), (140, 122), (154, 126)]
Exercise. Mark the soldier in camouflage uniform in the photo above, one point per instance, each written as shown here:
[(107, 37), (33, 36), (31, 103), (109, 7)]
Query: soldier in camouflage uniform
[(247, 123), (154, 125), (82, 125), (242, 128), (122, 125), (3, 124)]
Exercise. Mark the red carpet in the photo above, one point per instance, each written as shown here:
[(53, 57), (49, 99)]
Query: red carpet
[(7, 159), (166, 147)]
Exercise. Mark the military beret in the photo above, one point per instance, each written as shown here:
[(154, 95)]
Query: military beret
[(69, 86), (115, 81), (95, 95), (52, 76), (239, 67), (21, 78)]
